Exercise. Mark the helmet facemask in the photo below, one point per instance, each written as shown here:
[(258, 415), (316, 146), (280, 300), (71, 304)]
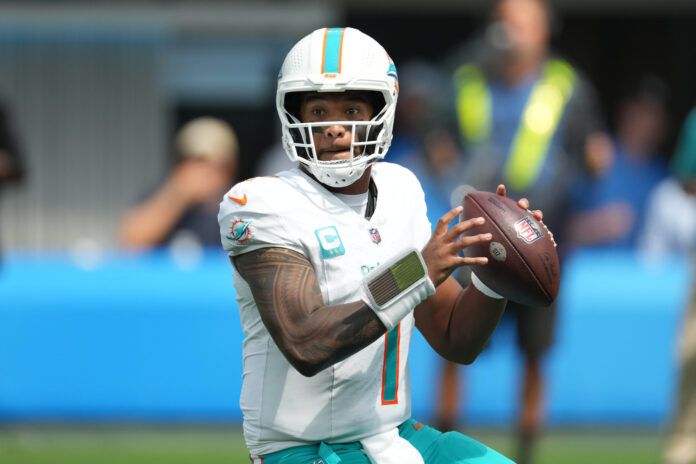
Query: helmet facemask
[(369, 142)]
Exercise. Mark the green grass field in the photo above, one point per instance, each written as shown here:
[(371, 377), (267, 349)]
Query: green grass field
[(224, 445)]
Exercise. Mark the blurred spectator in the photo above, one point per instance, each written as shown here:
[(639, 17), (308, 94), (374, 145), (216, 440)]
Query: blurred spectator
[(185, 206), (528, 120), (610, 208), (274, 160), (670, 225), (431, 155), (11, 168), (671, 229)]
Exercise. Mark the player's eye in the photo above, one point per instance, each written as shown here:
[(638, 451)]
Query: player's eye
[(353, 111), (318, 111)]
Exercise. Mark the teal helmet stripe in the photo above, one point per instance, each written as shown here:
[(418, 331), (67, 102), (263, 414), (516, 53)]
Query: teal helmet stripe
[(392, 71), (331, 63)]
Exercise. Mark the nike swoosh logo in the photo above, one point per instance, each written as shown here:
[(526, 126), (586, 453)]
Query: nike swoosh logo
[(241, 201)]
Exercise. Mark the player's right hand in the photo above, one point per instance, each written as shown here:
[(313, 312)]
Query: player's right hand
[(442, 253)]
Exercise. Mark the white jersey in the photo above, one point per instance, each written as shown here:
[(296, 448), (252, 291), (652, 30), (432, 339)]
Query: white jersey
[(670, 228), (368, 392)]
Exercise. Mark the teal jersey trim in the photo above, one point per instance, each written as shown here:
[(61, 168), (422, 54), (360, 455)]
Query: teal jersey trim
[(435, 447), (390, 372)]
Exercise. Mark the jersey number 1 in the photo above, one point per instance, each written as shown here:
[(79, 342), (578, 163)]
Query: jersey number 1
[(390, 368)]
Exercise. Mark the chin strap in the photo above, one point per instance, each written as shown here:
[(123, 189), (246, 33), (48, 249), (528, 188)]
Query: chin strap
[(371, 199), (395, 288)]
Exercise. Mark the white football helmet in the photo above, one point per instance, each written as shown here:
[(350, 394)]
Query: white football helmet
[(337, 60)]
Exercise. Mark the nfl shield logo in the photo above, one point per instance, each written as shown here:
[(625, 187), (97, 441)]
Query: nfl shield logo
[(527, 230), (374, 235)]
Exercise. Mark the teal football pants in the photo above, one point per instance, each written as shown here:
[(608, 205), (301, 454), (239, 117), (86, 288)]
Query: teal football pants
[(435, 447)]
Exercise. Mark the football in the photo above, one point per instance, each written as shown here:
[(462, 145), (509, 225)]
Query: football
[(523, 263)]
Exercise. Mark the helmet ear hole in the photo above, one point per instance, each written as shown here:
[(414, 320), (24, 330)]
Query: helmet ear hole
[(377, 101), (292, 103)]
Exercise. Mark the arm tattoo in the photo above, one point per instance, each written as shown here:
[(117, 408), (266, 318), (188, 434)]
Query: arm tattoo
[(311, 335)]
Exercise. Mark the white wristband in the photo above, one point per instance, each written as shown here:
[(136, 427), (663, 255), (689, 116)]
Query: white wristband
[(483, 288), (393, 289)]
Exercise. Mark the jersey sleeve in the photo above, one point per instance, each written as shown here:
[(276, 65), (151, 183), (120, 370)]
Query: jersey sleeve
[(420, 221), (657, 239), (423, 223), (249, 218)]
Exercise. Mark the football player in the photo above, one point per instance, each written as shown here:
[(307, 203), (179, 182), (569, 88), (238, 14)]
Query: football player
[(334, 266)]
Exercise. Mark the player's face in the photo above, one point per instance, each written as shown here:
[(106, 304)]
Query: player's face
[(333, 142)]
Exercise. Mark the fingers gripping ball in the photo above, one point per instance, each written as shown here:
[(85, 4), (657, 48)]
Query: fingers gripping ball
[(522, 260)]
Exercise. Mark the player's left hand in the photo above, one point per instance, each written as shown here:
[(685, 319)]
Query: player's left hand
[(524, 204), (442, 252)]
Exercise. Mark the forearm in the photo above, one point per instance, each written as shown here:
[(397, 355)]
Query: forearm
[(10, 170), (458, 322), (473, 319), (328, 335), (149, 223), (310, 334)]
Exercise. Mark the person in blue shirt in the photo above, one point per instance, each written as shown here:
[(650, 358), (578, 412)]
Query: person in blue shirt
[(431, 155), (670, 230), (610, 208), (530, 120)]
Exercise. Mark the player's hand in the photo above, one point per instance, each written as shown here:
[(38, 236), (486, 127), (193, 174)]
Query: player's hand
[(197, 181), (599, 154), (524, 204), (442, 252)]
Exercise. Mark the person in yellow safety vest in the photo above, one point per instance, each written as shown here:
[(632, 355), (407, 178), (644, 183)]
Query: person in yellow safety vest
[(530, 121)]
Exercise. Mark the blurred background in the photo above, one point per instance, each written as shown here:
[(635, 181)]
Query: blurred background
[(121, 342)]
